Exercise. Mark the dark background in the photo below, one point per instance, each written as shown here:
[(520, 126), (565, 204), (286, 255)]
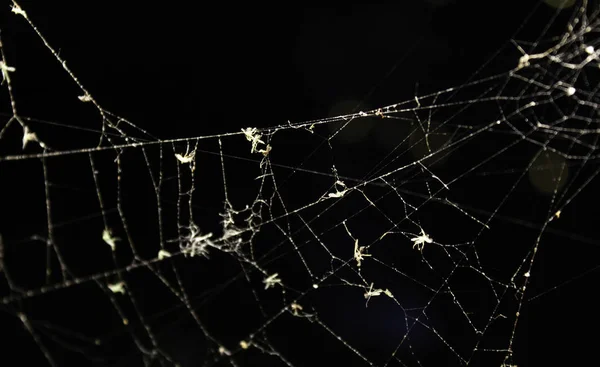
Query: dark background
[(179, 71)]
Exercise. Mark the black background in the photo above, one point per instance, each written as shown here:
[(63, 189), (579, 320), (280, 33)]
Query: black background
[(178, 70)]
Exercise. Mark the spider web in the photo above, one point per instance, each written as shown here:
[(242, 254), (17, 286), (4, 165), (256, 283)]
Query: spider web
[(445, 227)]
